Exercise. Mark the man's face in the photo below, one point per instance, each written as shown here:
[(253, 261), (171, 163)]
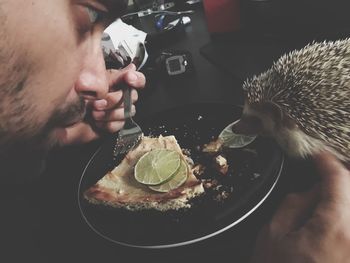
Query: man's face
[(51, 65)]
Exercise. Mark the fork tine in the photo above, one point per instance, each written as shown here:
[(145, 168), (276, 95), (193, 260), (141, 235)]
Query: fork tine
[(132, 143), (130, 135), (124, 149), (116, 150), (126, 143)]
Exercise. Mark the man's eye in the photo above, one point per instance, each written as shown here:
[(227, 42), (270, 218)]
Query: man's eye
[(94, 15)]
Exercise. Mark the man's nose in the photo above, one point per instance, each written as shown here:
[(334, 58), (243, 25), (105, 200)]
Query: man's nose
[(92, 82)]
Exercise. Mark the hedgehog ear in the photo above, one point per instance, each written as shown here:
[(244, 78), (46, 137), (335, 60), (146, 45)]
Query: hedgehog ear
[(248, 125), (274, 111)]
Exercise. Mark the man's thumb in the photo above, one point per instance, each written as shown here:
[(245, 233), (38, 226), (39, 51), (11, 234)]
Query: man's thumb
[(335, 178)]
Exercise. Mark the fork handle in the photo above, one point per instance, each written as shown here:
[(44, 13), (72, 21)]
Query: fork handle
[(127, 100)]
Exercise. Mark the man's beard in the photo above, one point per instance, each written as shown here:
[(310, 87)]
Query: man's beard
[(45, 139), (24, 157), (62, 118)]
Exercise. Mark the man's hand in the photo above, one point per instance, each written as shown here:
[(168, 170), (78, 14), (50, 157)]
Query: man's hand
[(312, 226), (107, 115)]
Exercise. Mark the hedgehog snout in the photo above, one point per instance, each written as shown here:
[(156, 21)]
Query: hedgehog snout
[(248, 125)]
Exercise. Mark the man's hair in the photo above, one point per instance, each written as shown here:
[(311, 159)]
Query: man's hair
[(118, 5)]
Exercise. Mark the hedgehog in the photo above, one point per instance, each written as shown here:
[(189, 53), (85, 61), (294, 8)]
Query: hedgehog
[(303, 101)]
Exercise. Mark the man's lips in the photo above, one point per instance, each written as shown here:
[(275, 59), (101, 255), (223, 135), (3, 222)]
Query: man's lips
[(69, 124), (73, 121), (68, 115)]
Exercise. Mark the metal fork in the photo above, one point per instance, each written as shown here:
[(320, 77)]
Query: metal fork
[(130, 135)]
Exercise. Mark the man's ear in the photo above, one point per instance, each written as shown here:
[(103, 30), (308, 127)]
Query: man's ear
[(248, 125)]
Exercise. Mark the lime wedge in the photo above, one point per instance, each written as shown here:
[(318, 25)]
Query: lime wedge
[(177, 180), (233, 140), (157, 166)]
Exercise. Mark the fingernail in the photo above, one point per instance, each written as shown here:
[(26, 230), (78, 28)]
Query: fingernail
[(131, 66), (100, 104)]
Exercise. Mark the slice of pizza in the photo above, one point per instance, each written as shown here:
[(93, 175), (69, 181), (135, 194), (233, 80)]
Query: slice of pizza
[(119, 188)]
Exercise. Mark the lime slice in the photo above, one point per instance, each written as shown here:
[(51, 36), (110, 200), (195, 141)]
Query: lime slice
[(157, 166), (177, 180), (233, 140)]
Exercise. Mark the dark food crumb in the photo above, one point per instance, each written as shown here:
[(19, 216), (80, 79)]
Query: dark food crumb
[(209, 183), (186, 152), (221, 164), (255, 176), (213, 146), (213, 166), (198, 170), (218, 187), (222, 196)]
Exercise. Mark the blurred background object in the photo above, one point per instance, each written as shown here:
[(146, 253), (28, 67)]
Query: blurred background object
[(266, 29), (222, 16), (121, 37), (307, 19), (155, 5)]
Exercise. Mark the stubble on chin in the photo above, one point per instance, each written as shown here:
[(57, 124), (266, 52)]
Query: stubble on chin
[(21, 128), (22, 158)]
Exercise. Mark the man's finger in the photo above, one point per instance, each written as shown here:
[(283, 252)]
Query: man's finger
[(110, 126), (116, 75), (128, 75), (113, 115), (135, 79), (335, 178), (334, 197), (294, 211), (113, 100)]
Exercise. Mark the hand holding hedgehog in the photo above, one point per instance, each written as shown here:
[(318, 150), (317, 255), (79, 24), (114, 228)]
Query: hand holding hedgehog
[(312, 226), (303, 101)]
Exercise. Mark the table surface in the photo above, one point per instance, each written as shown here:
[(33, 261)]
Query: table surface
[(42, 220)]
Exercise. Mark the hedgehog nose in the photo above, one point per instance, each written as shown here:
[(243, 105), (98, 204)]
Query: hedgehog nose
[(248, 125)]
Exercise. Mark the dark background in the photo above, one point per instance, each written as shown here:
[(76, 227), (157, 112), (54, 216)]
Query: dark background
[(40, 220)]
